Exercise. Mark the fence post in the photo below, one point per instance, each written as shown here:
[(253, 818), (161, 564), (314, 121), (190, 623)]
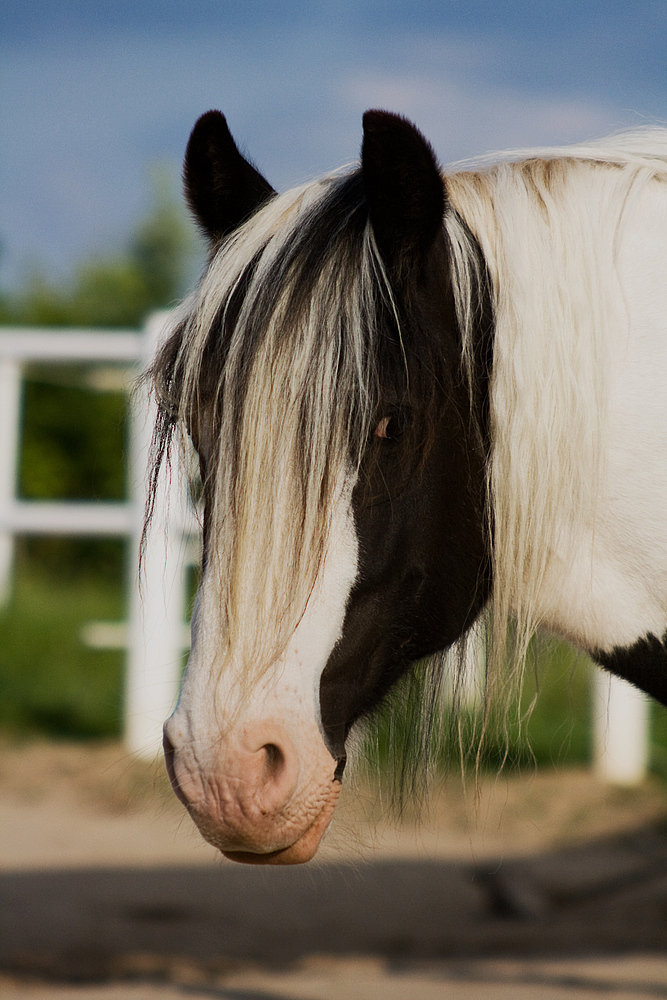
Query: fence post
[(620, 729), (10, 429), (157, 606)]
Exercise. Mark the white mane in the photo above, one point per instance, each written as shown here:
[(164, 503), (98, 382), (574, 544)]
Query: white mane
[(549, 223), (296, 385)]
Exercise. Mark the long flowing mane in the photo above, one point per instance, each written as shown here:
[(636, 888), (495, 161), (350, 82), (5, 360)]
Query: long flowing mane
[(275, 354), (276, 361), (549, 222)]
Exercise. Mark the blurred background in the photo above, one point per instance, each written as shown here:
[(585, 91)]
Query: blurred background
[(97, 101)]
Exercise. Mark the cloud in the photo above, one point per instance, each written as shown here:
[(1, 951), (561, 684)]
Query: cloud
[(463, 119), (81, 122)]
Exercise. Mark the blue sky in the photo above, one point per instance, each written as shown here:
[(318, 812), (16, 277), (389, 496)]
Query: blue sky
[(94, 91)]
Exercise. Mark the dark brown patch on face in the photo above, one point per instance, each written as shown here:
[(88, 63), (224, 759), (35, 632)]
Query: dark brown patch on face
[(419, 507)]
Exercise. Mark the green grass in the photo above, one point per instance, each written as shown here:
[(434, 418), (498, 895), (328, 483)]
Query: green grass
[(50, 683), (658, 744), (557, 706), (549, 726)]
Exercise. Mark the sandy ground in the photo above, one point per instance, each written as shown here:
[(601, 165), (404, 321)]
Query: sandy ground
[(72, 805), (538, 886), (627, 978)]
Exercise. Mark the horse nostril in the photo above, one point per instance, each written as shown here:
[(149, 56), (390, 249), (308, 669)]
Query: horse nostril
[(170, 760), (275, 759), (268, 765)]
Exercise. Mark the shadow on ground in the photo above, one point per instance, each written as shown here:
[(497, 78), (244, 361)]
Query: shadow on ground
[(605, 896)]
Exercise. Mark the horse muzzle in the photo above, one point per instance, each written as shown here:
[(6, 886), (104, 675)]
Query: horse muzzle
[(260, 798)]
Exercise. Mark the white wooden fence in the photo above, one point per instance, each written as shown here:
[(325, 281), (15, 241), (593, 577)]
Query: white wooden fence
[(155, 637)]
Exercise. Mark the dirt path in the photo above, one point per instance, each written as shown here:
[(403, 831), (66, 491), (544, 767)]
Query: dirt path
[(626, 978), (106, 884), (635, 977), (72, 805)]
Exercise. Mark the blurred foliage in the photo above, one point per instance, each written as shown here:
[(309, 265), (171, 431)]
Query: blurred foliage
[(658, 747), (50, 683), (548, 723), (74, 435), (74, 425), (73, 442), (552, 723), (73, 448), (117, 289)]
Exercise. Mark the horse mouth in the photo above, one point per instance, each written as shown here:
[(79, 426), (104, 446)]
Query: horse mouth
[(303, 849)]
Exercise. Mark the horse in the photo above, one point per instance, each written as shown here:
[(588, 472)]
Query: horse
[(414, 396)]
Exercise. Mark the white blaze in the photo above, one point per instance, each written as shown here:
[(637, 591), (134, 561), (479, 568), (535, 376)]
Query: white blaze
[(215, 702)]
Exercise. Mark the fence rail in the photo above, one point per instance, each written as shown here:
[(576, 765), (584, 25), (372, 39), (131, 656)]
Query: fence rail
[(155, 636), (34, 517), (25, 344)]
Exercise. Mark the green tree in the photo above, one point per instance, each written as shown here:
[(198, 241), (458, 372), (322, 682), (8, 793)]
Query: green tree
[(73, 443), (163, 244), (118, 289)]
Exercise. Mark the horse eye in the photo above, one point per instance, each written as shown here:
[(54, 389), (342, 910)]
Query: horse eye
[(389, 429)]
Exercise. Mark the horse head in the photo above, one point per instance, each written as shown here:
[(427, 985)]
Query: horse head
[(318, 371)]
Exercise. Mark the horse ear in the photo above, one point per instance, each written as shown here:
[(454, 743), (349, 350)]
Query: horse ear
[(221, 187), (404, 187)]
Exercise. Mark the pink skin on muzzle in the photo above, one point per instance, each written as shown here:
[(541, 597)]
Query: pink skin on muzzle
[(261, 802)]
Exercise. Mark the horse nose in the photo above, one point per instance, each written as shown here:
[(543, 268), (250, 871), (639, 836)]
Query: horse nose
[(253, 775)]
